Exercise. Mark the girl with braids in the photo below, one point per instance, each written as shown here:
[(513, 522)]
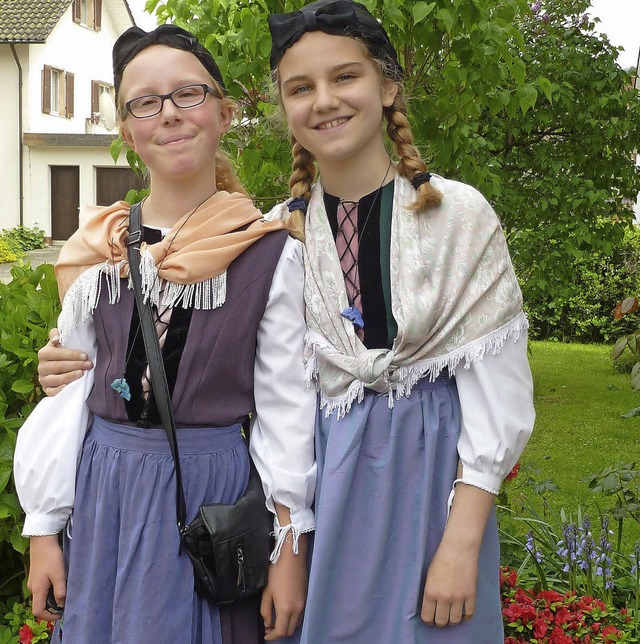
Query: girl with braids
[(416, 343), (226, 289)]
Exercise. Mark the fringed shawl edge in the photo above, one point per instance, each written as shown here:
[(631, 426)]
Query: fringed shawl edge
[(402, 379)]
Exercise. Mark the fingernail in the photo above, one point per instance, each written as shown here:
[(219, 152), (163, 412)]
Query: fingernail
[(83, 356)]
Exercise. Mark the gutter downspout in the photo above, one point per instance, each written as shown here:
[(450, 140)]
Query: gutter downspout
[(20, 152)]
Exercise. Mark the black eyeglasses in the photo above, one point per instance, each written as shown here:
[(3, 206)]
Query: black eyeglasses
[(184, 97)]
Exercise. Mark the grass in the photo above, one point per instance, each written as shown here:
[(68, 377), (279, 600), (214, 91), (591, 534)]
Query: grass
[(579, 399)]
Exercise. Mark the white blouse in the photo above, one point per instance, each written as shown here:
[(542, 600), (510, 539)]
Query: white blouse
[(282, 446), (496, 398)]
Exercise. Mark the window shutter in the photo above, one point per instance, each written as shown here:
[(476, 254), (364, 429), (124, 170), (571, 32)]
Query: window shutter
[(68, 84), (46, 89), (77, 11), (95, 99), (97, 15)]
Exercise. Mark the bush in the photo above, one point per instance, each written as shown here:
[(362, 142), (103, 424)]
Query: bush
[(28, 308), (21, 239), (7, 254), (599, 280)]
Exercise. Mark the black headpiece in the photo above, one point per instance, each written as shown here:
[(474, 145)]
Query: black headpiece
[(337, 18), (134, 40)]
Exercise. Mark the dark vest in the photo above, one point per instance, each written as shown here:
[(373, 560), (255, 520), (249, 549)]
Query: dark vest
[(209, 355)]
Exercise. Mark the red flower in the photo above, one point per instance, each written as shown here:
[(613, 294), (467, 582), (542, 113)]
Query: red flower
[(508, 577), (558, 636), (519, 612), (551, 596), (540, 627), (513, 473), (25, 634), (562, 616)]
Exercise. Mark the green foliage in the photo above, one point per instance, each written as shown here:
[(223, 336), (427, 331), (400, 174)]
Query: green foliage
[(14, 242), (566, 168), (594, 284), (135, 163), (22, 239), (7, 254), (21, 626), (28, 308)]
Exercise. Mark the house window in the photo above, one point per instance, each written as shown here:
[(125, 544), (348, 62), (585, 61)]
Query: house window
[(88, 13), (57, 92), (98, 88)]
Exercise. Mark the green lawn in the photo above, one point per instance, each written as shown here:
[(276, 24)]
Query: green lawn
[(579, 399)]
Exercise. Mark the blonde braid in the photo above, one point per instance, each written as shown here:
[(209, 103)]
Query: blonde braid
[(410, 164), (226, 178), (300, 182)]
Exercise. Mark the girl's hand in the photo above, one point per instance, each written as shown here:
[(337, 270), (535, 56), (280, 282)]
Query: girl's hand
[(450, 588), (46, 569), (452, 579), (57, 367), (286, 591)]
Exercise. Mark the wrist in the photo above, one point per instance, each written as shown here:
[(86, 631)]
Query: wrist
[(46, 539)]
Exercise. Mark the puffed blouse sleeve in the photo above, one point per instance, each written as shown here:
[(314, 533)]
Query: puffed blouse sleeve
[(282, 435), (49, 444), (496, 398)]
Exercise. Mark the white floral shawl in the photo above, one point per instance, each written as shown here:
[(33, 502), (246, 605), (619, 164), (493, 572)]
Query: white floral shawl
[(453, 290)]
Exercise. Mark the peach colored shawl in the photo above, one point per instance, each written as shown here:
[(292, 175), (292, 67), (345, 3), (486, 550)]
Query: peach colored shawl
[(199, 247)]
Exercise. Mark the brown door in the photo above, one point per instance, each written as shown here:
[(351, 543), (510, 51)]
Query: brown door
[(112, 184), (65, 200)]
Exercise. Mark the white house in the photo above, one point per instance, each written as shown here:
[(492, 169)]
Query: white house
[(55, 61)]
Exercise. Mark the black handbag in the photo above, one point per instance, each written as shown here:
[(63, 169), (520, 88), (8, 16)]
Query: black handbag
[(229, 545)]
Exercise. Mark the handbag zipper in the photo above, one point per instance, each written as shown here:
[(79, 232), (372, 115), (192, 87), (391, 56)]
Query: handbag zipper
[(240, 560)]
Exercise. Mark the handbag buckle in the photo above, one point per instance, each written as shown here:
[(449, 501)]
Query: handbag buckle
[(133, 238)]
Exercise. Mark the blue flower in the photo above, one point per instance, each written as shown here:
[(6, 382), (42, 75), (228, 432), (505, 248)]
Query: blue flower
[(353, 315), (122, 387)]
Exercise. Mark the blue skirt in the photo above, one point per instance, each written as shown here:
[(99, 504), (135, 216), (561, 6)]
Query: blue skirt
[(128, 581), (384, 478)]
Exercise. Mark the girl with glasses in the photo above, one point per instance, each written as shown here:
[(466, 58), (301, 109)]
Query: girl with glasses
[(227, 293)]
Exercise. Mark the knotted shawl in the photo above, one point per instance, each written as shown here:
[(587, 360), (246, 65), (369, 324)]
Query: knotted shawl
[(188, 266), (454, 296)]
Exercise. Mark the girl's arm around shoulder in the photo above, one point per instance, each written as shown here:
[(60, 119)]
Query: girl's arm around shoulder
[(48, 446)]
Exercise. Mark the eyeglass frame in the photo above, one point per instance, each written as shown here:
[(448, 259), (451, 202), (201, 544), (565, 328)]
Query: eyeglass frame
[(163, 97)]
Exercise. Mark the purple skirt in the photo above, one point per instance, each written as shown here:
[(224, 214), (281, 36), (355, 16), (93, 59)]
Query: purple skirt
[(384, 478), (128, 581)]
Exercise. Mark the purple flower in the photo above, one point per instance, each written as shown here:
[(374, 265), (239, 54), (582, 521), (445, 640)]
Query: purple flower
[(531, 548)]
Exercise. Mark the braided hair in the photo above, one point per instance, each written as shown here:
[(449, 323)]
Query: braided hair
[(410, 164)]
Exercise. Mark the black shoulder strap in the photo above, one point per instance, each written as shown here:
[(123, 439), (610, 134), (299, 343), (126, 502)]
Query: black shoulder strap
[(154, 356)]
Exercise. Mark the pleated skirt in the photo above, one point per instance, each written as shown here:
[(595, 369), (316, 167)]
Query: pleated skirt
[(385, 476), (128, 580)]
